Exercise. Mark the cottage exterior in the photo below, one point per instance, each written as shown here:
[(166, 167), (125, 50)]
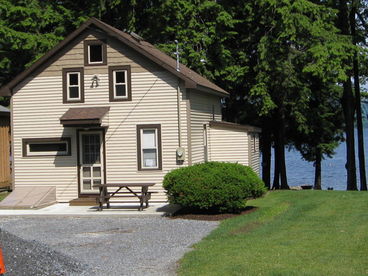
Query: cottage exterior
[(104, 106)]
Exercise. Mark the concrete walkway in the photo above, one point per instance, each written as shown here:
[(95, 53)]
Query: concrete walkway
[(63, 209)]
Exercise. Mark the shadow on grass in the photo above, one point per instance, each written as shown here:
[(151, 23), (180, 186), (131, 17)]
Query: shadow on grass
[(195, 214)]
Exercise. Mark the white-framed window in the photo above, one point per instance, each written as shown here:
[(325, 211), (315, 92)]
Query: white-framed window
[(73, 86), (254, 142), (46, 147), (149, 147), (95, 54), (120, 85)]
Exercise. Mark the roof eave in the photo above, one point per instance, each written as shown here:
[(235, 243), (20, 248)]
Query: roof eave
[(248, 128), (5, 91), (221, 93)]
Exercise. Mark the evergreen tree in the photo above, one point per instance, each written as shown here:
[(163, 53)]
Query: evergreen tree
[(28, 29)]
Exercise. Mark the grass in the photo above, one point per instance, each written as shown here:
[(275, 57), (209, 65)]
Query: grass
[(292, 233), (3, 195)]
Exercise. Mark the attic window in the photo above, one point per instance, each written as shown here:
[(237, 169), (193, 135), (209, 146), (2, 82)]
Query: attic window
[(94, 52)]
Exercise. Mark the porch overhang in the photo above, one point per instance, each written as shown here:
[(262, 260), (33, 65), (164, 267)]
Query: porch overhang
[(84, 116)]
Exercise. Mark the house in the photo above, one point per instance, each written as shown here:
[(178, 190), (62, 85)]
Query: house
[(5, 179), (105, 106)]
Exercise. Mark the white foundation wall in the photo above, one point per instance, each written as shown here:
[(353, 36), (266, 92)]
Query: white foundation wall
[(37, 106), (228, 145)]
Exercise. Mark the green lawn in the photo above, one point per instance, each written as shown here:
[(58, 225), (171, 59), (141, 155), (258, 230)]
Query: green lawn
[(2, 196), (292, 233)]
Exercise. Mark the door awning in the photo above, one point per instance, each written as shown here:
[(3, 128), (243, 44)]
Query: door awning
[(84, 116)]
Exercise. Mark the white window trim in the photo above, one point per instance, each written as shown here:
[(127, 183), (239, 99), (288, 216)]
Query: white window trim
[(89, 54), (254, 140), (156, 148), (48, 153), (68, 86), (117, 83)]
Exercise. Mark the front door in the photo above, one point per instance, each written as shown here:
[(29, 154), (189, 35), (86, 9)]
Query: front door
[(91, 162)]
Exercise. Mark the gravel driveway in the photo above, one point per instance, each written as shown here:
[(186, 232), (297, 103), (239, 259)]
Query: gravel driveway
[(97, 246)]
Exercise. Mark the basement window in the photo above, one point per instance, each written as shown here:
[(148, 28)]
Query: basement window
[(95, 52), (46, 147)]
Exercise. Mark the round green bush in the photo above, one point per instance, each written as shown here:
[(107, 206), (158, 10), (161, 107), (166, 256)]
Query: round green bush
[(215, 186)]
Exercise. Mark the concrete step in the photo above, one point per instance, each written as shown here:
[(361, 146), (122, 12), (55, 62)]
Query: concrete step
[(83, 201)]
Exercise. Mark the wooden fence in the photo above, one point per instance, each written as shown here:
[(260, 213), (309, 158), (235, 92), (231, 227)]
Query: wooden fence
[(5, 178)]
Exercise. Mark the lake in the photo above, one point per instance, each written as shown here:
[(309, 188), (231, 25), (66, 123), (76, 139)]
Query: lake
[(300, 172)]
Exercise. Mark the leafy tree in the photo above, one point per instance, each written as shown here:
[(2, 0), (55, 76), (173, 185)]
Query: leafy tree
[(28, 29), (299, 40)]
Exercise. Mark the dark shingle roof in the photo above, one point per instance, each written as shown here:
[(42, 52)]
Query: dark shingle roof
[(191, 78), (84, 115)]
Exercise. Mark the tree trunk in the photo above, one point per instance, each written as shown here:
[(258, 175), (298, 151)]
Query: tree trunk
[(280, 165), (348, 106), (266, 156), (347, 103), (276, 175), (363, 179), (281, 138), (317, 171)]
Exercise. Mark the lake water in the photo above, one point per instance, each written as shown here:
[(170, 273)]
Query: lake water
[(300, 172)]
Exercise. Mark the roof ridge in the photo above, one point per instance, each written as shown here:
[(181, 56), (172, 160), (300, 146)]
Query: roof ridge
[(192, 79)]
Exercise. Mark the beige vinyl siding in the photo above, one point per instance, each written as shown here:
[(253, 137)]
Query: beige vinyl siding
[(254, 152), (37, 108), (228, 145), (117, 54), (201, 106)]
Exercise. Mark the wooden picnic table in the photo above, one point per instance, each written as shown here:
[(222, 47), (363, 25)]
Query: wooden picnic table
[(105, 195)]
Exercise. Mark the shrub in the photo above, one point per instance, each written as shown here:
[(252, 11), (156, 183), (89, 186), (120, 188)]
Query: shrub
[(215, 186)]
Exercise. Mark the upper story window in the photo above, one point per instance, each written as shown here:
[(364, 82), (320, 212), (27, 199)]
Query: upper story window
[(120, 83), (95, 52), (73, 85), (149, 147)]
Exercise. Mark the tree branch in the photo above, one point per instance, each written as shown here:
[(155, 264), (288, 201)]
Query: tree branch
[(364, 23)]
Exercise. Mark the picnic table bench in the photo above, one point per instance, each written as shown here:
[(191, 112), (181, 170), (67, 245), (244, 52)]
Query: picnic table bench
[(105, 195)]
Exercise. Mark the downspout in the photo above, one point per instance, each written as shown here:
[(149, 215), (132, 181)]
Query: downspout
[(179, 113), (178, 91), (12, 142)]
